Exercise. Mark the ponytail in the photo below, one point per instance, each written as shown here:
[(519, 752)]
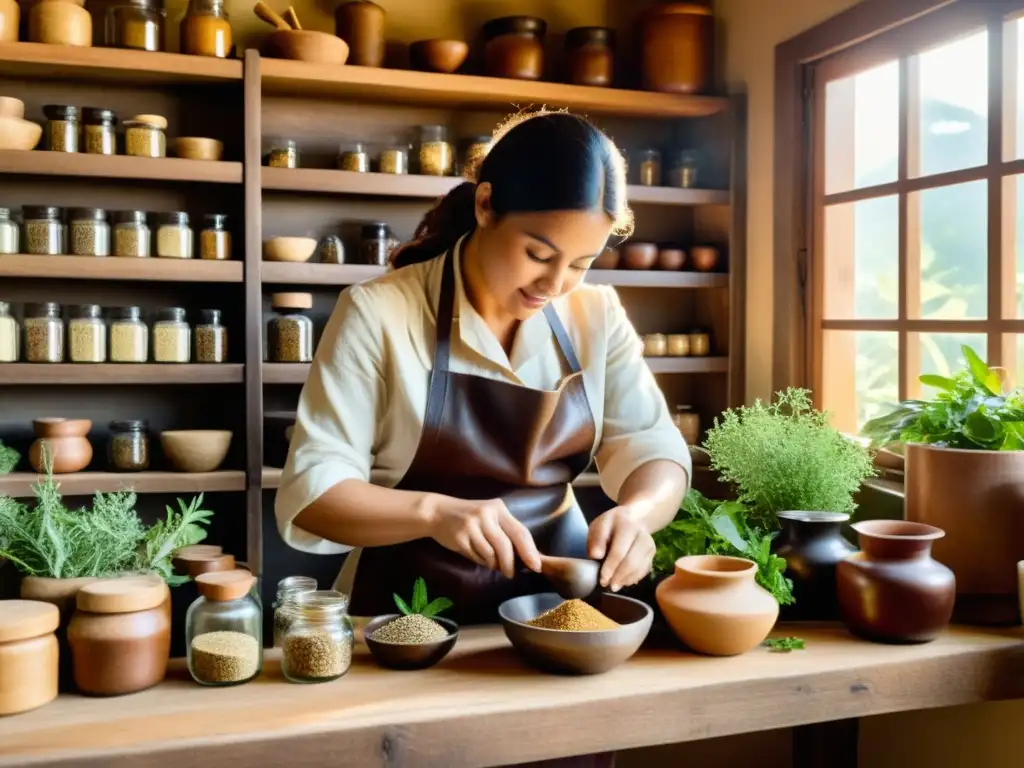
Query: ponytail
[(452, 217)]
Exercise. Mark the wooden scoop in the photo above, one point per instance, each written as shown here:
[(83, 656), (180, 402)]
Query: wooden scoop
[(570, 576), (292, 18), (265, 12)]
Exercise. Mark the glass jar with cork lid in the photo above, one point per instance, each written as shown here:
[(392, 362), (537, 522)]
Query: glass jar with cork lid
[(87, 334), (172, 338), (129, 336), (290, 330), (317, 645), (223, 629), (146, 136)]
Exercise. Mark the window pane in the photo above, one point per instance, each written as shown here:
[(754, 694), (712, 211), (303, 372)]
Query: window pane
[(1016, 362), (861, 259), (860, 376), (953, 105), (1013, 75), (862, 129), (940, 353), (1013, 246), (953, 251)]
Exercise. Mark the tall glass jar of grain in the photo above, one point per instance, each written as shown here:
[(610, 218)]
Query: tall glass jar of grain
[(8, 232), (137, 24), (89, 232), (44, 333), (172, 339), (174, 236), (211, 338), (43, 230), (287, 589), (206, 30), (87, 334), (284, 154), (394, 160), (223, 629), (215, 239), (98, 131), (317, 646), (131, 235), (290, 331), (129, 446), (10, 341), (129, 336), (61, 127), (436, 157)]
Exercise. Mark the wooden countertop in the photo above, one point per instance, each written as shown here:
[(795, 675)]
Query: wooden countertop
[(482, 706)]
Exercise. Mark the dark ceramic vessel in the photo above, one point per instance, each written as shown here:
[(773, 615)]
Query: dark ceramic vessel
[(892, 591), (419, 656), (812, 545)]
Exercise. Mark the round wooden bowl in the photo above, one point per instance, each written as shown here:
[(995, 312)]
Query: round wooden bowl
[(306, 45), (12, 107), (419, 656), (16, 133), (289, 249), (196, 450), (444, 56), (671, 259), (639, 255), (198, 148)]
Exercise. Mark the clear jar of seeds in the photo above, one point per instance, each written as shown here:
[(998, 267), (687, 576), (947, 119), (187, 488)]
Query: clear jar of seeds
[(290, 331), (376, 243), (8, 232), (145, 138), (129, 336), (9, 335), (287, 589), (172, 338), (355, 159), (436, 157), (61, 127), (99, 134), (649, 168), (174, 236), (223, 629), (44, 333), (394, 160), (87, 334), (128, 450), (215, 239), (211, 338), (43, 230), (474, 152), (284, 155), (317, 645), (131, 235), (89, 232)]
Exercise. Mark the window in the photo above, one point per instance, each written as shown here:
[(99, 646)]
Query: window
[(916, 217)]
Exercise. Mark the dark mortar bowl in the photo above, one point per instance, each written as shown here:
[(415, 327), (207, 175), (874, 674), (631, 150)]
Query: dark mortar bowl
[(419, 656)]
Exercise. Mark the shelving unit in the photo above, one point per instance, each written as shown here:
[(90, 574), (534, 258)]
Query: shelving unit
[(115, 374), (147, 270), (149, 169), (19, 484)]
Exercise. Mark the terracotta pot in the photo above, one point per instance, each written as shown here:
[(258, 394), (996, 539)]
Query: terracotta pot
[(514, 47), (676, 45), (893, 591), (64, 441), (10, 16), (713, 604), (977, 498), (61, 593), (639, 255), (704, 258), (590, 56), (361, 25), (671, 259), (609, 259), (812, 544)]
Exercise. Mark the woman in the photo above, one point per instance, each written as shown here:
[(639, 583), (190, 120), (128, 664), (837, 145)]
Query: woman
[(478, 380)]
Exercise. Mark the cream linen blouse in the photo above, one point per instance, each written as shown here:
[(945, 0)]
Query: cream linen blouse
[(363, 405)]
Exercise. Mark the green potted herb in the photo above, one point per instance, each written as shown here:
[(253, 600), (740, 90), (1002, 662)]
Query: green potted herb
[(964, 473), (9, 459)]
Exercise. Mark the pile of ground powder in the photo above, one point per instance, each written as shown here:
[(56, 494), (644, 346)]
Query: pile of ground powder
[(574, 616), (413, 629)]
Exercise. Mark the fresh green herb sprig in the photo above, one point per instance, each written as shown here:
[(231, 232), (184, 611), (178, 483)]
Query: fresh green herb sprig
[(420, 603), (176, 530), (784, 644), (9, 459)]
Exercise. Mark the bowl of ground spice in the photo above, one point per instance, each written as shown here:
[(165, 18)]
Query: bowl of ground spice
[(412, 641), (575, 636)]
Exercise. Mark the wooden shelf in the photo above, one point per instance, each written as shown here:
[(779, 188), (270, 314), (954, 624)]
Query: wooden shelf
[(114, 373), (285, 273), (271, 479), (637, 194), (59, 62), (19, 484), (636, 278), (285, 373), (43, 163), (474, 92), (112, 268)]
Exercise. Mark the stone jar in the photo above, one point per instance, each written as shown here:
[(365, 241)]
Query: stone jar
[(893, 591), (812, 544), (713, 604)]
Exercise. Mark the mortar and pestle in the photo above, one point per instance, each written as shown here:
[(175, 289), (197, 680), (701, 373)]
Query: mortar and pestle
[(291, 41)]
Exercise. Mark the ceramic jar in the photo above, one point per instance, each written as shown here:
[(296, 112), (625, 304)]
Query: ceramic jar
[(28, 655), (589, 55), (713, 604), (361, 24), (892, 591), (63, 443), (812, 544), (10, 17), (60, 22), (60, 593), (676, 42), (514, 47)]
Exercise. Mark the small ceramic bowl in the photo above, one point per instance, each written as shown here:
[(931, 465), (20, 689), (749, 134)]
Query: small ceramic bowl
[(579, 653), (289, 249), (306, 45), (443, 56), (419, 656), (639, 255), (198, 148), (196, 450), (609, 259)]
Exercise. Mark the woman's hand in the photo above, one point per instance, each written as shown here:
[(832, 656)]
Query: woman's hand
[(483, 531), (620, 539)]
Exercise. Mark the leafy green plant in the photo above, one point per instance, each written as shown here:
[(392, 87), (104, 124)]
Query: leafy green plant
[(707, 527), (785, 456), (420, 604), (970, 411), (9, 459), (784, 644), (173, 532)]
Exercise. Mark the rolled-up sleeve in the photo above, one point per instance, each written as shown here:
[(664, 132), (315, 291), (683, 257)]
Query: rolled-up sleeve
[(637, 427), (335, 429)]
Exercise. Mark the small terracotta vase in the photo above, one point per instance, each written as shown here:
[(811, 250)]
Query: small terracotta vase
[(63, 442), (639, 255), (893, 591), (713, 604), (812, 544), (704, 258), (671, 259)]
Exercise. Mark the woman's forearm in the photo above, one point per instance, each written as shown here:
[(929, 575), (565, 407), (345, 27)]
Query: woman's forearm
[(653, 493)]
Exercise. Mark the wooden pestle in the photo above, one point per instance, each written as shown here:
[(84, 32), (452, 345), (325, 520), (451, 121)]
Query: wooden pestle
[(292, 18), (266, 13)]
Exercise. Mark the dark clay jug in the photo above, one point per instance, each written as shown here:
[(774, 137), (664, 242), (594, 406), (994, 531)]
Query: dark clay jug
[(893, 591), (812, 545)]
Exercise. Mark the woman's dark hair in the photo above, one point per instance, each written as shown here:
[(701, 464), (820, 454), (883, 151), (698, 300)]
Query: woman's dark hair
[(541, 161)]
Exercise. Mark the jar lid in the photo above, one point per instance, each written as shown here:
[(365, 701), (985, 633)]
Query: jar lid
[(130, 217), (24, 619), (153, 121), (284, 144), (41, 212), (433, 133), (514, 25), (215, 220), (173, 219), (5, 307), (129, 425), (225, 585), (649, 152), (42, 309), (87, 214), (5, 213), (172, 314), (302, 583), (291, 301), (198, 549), (98, 115), (60, 112), (125, 313), (85, 311), (197, 564), (583, 35), (126, 594), (375, 230), (209, 316), (353, 149)]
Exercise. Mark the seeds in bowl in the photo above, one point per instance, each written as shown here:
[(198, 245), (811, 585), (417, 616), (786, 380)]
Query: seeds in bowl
[(574, 616), (413, 629)]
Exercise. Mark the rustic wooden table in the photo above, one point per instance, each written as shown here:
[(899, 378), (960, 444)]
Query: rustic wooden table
[(482, 706)]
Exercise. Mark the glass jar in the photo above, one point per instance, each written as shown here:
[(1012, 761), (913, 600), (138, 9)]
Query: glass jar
[(394, 160), (44, 333), (61, 127), (355, 159), (28, 655), (317, 646), (8, 232), (287, 589), (700, 343), (590, 57), (655, 345), (685, 170), (89, 232), (435, 155), (688, 424), (223, 629), (145, 138), (9, 335), (678, 345), (211, 338), (43, 230), (129, 336), (99, 135), (215, 239), (331, 250), (87, 334), (137, 24), (131, 235), (284, 155), (128, 449), (474, 150), (290, 331), (172, 338), (206, 29), (376, 244), (174, 236), (649, 168)]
